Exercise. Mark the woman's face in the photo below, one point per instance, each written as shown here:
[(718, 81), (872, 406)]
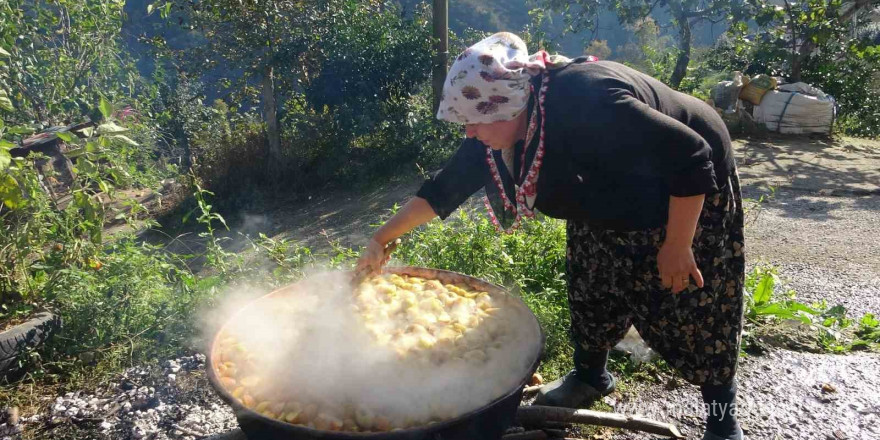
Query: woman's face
[(498, 135)]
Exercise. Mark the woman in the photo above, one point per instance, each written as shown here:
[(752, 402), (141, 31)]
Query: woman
[(644, 177)]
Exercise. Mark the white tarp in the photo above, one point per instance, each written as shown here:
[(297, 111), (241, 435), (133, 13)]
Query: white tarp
[(796, 108)]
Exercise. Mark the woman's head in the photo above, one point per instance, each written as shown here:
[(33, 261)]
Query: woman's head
[(488, 82), (498, 135)]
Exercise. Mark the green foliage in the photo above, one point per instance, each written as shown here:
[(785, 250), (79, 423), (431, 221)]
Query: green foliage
[(599, 49), (852, 79), (834, 329), (370, 58), (760, 302), (38, 238), (353, 97), (62, 57), (369, 103), (289, 258), (584, 15)]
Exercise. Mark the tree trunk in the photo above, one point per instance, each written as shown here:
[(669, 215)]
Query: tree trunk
[(441, 46), (684, 54), (270, 112), (796, 63)]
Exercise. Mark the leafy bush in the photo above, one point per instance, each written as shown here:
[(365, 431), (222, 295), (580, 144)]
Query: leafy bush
[(831, 327), (852, 78), (369, 104), (39, 239), (362, 110)]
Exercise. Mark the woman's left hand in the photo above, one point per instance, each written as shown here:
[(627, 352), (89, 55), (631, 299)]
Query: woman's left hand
[(676, 265)]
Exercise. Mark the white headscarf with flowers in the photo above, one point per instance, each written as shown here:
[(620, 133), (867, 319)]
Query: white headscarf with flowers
[(489, 81)]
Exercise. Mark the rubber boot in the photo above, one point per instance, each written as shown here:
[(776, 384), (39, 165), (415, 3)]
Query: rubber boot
[(721, 426), (736, 436), (578, 389)]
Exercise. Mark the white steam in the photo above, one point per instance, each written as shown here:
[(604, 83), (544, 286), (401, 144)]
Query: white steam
[(308, 345)]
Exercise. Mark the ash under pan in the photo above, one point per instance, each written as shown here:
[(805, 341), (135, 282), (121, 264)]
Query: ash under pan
[(484, 423)]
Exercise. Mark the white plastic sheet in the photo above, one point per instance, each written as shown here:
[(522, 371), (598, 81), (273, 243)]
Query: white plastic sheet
[(796, 108)]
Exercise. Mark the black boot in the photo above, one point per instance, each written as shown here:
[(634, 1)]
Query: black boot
[(583, 386), (721, 423)]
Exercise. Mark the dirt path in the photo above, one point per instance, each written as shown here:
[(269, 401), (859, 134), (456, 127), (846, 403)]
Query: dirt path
[(821, 227)]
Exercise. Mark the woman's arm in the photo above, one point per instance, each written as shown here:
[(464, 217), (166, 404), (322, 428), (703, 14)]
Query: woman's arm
[(675, 261), (465, 173), (414, 213)]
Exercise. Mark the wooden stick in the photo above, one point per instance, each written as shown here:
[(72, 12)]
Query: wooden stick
[(535, 415), (528, 435)]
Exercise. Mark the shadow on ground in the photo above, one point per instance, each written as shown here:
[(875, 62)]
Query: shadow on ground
[(818, 166)]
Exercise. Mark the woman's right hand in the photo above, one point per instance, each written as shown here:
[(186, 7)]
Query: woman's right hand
[(378, 251), (372, 258)]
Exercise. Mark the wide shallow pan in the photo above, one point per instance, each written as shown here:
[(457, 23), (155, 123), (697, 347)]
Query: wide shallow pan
[(485, 423)]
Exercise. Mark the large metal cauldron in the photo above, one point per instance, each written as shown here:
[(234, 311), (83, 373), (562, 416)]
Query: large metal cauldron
[(486, 423)]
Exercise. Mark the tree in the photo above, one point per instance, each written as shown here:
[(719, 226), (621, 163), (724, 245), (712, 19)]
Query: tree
[(251, 41), (62, 56), (800, 28), (645, 38), (598, 48), (583, 15)]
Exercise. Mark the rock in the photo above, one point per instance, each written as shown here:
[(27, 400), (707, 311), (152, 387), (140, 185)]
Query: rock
[(12, 416), (835, 435), (828, 388)]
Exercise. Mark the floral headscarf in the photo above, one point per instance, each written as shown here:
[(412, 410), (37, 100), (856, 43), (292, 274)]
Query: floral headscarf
[(489, 81)]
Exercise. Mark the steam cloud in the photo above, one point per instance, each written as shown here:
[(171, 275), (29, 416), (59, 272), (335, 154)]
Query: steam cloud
[(311, 347)]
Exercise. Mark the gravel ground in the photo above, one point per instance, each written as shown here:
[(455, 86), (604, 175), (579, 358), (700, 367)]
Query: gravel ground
[(826, 247), (174, 401), (783, 395)]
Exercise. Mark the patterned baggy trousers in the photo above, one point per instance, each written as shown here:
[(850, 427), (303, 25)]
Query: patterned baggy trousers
[(613, 283)]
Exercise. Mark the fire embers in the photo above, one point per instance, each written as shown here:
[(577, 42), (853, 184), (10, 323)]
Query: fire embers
[(427, 321)]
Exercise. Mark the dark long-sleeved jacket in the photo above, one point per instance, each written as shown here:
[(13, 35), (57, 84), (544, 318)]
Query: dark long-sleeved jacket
[(618, 143)]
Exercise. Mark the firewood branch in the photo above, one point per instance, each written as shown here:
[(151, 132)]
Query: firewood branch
[(537, 415)]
